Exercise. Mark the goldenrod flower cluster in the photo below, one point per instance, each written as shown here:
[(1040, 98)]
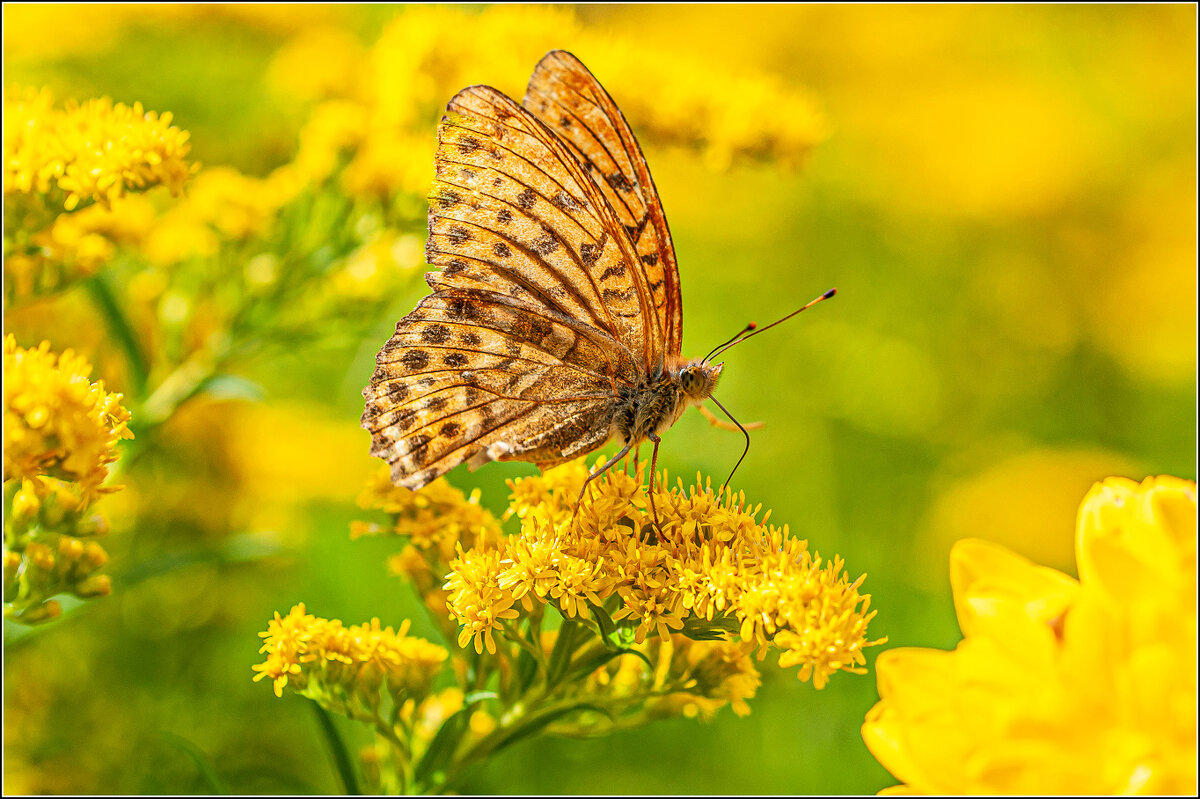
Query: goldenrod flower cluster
[(84, 159), (346, 668), (377, 122), (60, 436), (49, 549), (705, 566), (98, 150), (1059, 686), (57, 423), (436, 521)]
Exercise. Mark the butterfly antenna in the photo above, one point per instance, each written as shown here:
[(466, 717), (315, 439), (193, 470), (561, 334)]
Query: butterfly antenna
[(753, 330), (745, 432), (731, 341)]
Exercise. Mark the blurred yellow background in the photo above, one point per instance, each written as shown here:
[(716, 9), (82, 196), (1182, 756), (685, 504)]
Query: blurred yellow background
[(1004, 196)]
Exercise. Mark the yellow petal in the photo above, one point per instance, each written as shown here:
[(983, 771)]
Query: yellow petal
[(995, 586)]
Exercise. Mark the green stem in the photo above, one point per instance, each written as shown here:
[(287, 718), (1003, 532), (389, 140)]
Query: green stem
[(118, 324), (503, 735), (337, 747)]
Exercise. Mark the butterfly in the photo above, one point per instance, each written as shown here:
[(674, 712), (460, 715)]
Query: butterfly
[(555, 322)]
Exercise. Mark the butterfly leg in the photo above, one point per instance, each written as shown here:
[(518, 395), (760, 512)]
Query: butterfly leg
[(653, 477), (724, 425), (615, 458)]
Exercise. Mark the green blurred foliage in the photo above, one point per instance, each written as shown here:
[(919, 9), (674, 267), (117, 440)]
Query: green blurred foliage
[(1007, 206)]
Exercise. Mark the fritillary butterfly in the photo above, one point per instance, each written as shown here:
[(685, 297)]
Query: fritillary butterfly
[(555, 323)]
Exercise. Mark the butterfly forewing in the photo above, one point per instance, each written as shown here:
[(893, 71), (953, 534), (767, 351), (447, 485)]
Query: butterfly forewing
[(565, 96), (501, 158)]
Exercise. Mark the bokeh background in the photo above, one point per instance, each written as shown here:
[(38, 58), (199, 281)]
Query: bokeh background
[(1005, 198)]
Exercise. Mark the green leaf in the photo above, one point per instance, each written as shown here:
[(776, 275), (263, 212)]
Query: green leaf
[(540, 723), (202, 762), (608, 627), (223, 387), (719, 629), (588, 665), (337, 748), (564, 648), (445, 742), (527, 668)]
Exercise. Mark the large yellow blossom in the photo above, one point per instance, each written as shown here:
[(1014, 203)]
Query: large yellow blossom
[(57, 422), (1059, 686)]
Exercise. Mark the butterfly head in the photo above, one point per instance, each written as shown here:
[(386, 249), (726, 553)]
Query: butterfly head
[(698, 379)]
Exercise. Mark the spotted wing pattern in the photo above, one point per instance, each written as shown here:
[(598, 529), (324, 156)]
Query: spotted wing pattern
[(537, 318), (565, 95)]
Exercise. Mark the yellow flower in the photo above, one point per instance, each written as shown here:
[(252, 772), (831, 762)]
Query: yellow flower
[(381, 120), (707, 567), (1059, 686), (56, 422), (344, 668), (97, 150), (435, 519), (49, 549)]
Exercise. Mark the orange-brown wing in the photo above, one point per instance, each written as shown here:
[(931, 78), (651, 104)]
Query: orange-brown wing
[(565, 96), (512, 199), (474, 376), (536, 318)]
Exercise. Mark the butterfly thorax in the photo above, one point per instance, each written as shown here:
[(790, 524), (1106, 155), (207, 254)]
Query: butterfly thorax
[(657, 402)]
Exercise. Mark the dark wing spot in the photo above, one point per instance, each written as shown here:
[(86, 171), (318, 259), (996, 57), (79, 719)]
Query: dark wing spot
[(618, 181), (564, 122), (435, 334), (450, 430), (448, 199), (504, 217), (545, 245), (415, 360), (566, 202), (468, 144), (501, 249), (470, 339), (589, 253), (613, 271), (527, 198), (454, 267), (458, 234), (435, 404), (461, 308), (650, 259), (455, 359), (470, 394), (613, 294), (539, 329), (397, 392), (417, 453)]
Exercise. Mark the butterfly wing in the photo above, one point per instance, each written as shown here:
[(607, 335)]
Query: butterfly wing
[(536, 318), (565, 96)]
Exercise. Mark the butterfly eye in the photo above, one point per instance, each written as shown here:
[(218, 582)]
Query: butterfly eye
[(691, 381)]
